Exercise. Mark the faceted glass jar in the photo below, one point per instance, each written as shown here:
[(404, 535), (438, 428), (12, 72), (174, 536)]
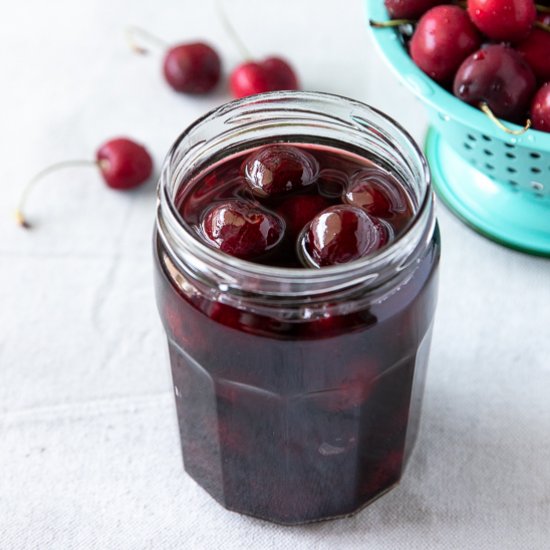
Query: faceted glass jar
[(298, 391)]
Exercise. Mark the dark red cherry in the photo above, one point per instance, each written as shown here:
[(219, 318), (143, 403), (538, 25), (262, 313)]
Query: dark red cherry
[(496, 75), (540, 109), (242, 229), (376, 192), (277, 169), (503, 20), (192, 68), (341, 234), (269, 75), (281, 74), (225, 314), (124, 163), (409, 9), (535, 49), (444, 37), (298, 211), (323, 327), (382, 472)]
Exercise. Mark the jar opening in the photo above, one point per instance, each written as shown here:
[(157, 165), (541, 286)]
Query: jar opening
[(293, 117)]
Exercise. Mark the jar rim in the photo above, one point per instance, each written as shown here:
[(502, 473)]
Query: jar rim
[(167, 207)]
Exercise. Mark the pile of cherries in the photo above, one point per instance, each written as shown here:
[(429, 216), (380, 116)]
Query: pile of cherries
[(297, 206), (493, 54)]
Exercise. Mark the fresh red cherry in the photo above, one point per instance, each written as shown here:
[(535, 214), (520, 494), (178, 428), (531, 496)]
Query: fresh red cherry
[(535, 49), (124, 163), (498, 76), (376, 192), (192, 68), (540, 109), (278, 169), (256, 77), (503, 20), (298, 211), (341, 234), (409, 9), (248, 79), (281, 74), (242, 229), (444, 37), (269, 75)]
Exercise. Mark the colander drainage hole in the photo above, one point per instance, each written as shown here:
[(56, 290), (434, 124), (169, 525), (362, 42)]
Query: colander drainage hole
[(537, 186), (535, 170), (489, 166), (509, 145), (467, 146), (511, 170), (471, 137), (488, 153), (511, 155), (486, 138), (534, 155)]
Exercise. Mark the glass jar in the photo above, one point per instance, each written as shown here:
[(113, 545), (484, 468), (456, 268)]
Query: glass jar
[(298, 391)]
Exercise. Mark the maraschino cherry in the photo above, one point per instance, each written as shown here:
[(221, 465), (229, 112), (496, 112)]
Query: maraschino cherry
[(299, 210), (123, 164), (341, 234), (540, 109), (377, 192), (278, 169), (255, 77), (444, 37), (190, 68), (242, 229)]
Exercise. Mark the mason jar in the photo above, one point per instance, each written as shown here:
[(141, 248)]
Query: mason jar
[(297, 391)]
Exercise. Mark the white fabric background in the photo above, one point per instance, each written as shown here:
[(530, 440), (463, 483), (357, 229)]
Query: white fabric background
[(89, 454)]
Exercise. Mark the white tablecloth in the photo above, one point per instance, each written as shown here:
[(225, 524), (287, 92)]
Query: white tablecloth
[(89, 452)]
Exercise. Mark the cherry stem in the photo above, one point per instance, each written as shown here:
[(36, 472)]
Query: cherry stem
[(487, 110), (230, 29), (134, 34), (19, 216), (542, 26), (391, 23), (542, 9)]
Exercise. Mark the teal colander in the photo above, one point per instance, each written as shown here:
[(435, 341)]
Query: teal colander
[(497, 183)]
